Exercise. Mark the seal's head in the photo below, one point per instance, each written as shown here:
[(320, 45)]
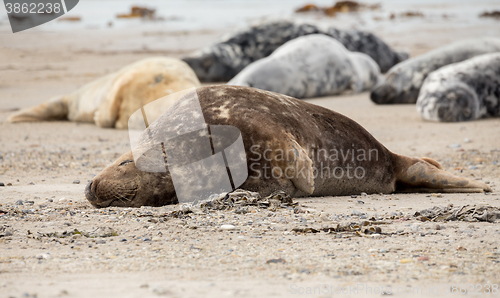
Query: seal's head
[(393, 90), (213, 64), (448, 101), (121, 184)]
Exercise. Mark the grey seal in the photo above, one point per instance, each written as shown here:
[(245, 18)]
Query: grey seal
[(290, 145), (462, 91), (310, 66), (225, 59), (110, 100), (402, 82)]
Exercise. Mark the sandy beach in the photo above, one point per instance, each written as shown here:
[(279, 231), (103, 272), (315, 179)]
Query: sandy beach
[(53, 243)]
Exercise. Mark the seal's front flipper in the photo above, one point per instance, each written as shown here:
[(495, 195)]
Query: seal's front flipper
[(298, 167), (55, 109), (426, 175)]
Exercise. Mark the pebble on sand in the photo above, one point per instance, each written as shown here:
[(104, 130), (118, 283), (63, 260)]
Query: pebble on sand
[(227, 227)]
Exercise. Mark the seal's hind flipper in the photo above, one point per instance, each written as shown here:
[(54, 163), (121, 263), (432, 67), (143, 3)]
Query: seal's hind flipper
[(55, 109), (427, 175)]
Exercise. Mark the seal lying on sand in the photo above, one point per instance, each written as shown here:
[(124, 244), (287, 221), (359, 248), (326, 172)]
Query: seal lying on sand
[(330, 154), (311, 66), (222, 61), (402, 82), (109, 101), (462, 91)]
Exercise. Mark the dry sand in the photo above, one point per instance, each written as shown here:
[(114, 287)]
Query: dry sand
[(191, 256)]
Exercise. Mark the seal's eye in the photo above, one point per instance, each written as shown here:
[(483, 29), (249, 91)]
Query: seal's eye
[(125, 162)]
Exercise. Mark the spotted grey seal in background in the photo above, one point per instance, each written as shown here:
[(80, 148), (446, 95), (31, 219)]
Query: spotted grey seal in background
[(402, 82), (462, 91), (310, 66), (223, 60), (290, 145)]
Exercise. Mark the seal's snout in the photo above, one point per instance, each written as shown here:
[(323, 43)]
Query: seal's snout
[(382, 93), (90, 195)]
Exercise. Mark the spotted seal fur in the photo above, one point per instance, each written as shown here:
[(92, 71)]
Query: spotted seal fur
[(462, 91), (402, 82), (225, 59), (291, 145), (310, 66)]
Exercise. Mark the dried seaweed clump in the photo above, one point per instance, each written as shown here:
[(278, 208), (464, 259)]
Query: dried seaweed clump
[(460, 213), (338, 7)]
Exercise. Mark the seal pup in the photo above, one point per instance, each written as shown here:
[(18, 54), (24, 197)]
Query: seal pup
[(402, 82), (222, 61), (462, 91), (290, 145), (311, 66), (110, 100)]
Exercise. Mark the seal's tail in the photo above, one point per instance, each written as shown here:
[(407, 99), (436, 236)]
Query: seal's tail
[(54, 109), (427, 175)]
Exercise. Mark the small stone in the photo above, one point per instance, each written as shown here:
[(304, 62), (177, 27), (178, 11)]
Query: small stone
[(364, 194), (437, 227), (354, 196), (123, 240), (62, 199), (360, 202), (383, 250), (423, 258), (76, 182), (156, 238), (9, 184), (43, 256), (355, 212), (31, 183), (1, 184), (100, 242), (467, 140), (457, 145), (472, 168), (227, 227), (160, 291), (471, 226), (461, 248), (19, 202), (406, 261), (276, 261)]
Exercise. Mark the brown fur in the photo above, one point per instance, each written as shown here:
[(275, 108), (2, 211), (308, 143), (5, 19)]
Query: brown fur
[(276, 122)]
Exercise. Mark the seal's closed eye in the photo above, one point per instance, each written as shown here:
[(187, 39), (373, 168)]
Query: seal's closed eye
[(125, 162)]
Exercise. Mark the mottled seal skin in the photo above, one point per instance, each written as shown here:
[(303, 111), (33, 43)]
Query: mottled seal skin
[(462, 91), (110, 100), (310, 66), (223, 60), (270, 122), (402, 82)]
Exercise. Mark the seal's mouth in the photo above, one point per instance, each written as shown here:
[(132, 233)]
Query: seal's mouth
[(98, 202), (92, 198)]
